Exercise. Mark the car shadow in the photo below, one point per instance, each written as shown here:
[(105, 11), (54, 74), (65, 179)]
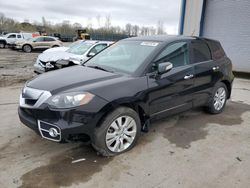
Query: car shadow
[(191, 126)]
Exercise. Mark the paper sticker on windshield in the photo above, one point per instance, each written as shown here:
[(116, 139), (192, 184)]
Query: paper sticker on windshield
[(149, 44)]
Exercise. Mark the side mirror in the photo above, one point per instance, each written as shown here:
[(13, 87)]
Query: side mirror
[(91, 54), (164, 67)]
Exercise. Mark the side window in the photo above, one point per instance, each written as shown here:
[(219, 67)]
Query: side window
[(40, 39), (98, 48), (217, 50), (19, 36), (201, 52), (12, 36), (47, 39), (177, 54)]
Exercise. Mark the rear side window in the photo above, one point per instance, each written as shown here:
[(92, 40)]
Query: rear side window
[(217, 50), (19, 36), (176, 53), (201, 52)]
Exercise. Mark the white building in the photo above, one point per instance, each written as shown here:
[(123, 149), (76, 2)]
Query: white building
[(225, 20)]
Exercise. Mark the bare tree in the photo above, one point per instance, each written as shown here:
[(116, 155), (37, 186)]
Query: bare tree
[(98, 18), (128, 29), (108, 22), (160, 27), (135, 30)]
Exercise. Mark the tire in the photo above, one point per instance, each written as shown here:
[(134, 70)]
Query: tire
[(107, 146), (27, 48), (2, 44), (218, 91), (55, 46)]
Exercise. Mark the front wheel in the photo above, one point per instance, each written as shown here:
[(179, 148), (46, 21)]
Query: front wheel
[(118, 132), (2, 44), (218, 99), (27, 48)]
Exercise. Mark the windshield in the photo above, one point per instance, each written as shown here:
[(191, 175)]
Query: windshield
[(80, 48), (75, 43), (124, 56)]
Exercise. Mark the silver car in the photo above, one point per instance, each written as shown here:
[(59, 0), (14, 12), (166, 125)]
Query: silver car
[(75, 55)]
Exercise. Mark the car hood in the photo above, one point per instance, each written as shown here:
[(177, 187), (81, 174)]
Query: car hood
[(56, 49), (2, 37), (72, 78), (58, 55)]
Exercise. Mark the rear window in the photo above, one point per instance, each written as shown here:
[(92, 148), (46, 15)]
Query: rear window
[(217, 50), (201, 51)]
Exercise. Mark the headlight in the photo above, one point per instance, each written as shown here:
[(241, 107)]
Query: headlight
[(75, 61), (69, 100)]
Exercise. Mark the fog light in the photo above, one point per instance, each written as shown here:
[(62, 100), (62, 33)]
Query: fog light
[(53, 132)]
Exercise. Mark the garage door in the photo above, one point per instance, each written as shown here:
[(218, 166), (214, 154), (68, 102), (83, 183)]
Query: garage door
[(229, 22)]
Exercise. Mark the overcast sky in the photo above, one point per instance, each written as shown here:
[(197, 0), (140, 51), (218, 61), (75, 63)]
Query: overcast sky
[(140, 12)]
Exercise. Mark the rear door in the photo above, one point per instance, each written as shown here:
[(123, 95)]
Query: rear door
[(172, 92), (207, 72), (49, 42)]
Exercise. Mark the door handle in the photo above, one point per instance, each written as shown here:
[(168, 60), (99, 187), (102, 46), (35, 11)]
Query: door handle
[(188, 76), (216, 68)]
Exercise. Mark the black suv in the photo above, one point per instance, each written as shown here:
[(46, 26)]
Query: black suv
[(113, 97)]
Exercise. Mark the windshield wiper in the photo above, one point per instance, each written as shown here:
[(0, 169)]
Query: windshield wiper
[(98, 67)]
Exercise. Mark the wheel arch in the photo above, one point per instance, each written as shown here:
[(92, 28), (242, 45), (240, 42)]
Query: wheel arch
[(28, 45), (229, 87), (114, 105), (4, 41)]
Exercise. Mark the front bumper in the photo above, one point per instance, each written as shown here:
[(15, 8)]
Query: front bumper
[(68, 124), (39, 68), (17, 46)]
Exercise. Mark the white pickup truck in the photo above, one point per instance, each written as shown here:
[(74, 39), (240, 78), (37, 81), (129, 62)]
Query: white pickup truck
[(10, 38)]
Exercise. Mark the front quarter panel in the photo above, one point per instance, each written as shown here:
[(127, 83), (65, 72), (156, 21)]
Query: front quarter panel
[(131, 91)]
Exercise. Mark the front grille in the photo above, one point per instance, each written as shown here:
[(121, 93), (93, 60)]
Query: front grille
[(30, 101), (43, 62), (33, 98), (45, 129)]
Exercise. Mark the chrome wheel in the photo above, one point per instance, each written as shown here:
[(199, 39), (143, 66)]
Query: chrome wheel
[(219, 98), (121, 134)]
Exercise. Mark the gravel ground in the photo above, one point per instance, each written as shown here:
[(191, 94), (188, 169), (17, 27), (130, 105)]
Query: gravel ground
[(16, 66)]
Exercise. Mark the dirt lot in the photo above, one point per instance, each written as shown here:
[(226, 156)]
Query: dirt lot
[(16, 66), (193, 149)]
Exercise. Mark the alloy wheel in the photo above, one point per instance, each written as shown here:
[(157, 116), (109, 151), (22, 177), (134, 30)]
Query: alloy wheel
[(27, 48), (219, 98), (121, 134)]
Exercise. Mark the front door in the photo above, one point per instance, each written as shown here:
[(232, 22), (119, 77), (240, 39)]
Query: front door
[(39, 43), (172, 91)]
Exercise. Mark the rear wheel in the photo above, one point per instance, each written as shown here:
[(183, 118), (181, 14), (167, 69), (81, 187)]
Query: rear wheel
[(118, 132), (218, 100), (27, 48)]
